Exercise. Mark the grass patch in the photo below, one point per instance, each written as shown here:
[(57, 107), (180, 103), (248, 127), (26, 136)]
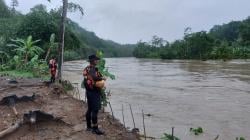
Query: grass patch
[(169, 137), (196, 131), (22, 74)]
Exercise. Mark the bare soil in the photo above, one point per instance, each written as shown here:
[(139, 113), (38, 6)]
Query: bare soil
[(64, 106)]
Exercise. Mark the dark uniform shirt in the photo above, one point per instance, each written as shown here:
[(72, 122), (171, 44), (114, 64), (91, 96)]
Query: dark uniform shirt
[(91, 75)]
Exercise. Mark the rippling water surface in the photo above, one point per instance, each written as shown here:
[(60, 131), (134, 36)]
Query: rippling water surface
[(212, 94)]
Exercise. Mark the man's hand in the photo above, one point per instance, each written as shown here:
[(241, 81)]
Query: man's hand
[(104, 78)]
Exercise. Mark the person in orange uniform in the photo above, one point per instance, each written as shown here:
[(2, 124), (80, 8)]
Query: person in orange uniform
[(53, 68), (91, 77)]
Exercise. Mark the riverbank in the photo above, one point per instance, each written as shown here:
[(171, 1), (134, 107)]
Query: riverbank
[(178, 93), (54, 101)]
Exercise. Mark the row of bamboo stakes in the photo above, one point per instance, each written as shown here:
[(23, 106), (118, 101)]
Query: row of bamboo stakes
[(133, 119)]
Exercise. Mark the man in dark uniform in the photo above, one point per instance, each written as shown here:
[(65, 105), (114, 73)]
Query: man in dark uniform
[(91, 76)]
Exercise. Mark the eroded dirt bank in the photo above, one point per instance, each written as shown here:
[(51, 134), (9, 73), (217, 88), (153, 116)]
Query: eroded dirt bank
[(70, 111)]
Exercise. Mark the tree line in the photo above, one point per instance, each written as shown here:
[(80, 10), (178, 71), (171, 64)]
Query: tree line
[(41, 24), (27, 41), (227, 41)]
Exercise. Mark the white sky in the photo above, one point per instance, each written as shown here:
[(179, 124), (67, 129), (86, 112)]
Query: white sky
[(128, 21)]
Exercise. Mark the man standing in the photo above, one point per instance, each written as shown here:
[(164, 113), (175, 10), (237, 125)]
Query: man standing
[(91, 76), (53, 68)]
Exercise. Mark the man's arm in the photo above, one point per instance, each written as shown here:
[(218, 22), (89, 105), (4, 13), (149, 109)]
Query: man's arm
[(92, 73)]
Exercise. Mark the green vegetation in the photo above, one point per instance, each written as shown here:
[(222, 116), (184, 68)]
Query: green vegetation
[(196, 131), (15, 73), (41, 24), (25, 61), (104, 71), (228, 41), (28, 41), (169, 137), (241, 138)]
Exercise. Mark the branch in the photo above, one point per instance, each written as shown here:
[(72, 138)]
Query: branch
[(72, 7), (10, 130)]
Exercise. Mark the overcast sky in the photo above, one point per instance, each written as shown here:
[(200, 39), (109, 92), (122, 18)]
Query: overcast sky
[(128, 21)]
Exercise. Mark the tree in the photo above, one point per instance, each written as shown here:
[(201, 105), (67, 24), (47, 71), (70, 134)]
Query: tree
[(61, 38), (14, 3), (73, 7), (4, 10), (157, 41), (245, 32)]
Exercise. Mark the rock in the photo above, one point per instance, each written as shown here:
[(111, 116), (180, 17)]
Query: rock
[(78, 127)]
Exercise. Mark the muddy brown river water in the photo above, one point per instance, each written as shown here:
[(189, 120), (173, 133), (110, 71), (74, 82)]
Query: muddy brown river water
[(214, 95)]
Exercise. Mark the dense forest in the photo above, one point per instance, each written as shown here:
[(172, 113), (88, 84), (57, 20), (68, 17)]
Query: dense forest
[(41, 24), (227, 41)]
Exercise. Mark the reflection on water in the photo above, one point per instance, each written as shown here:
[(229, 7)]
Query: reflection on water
[(180, 93)]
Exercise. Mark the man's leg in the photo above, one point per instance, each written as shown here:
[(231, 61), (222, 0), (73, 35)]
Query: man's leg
[(96, 107), (88, 113), (96, 130), (51, 78), (88, 119), (94, 119)]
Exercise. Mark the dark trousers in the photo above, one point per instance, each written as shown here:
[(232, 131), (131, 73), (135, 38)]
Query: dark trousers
[(94, 104), (52, 79), (53, 76)]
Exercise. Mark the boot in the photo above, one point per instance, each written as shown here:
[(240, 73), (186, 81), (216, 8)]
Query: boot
[(97, 131)]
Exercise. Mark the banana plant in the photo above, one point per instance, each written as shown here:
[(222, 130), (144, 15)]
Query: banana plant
[(104, 71), (52, 45), (26, 48), (3, 55)]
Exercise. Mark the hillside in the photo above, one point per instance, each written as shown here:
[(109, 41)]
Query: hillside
[(41, 23)]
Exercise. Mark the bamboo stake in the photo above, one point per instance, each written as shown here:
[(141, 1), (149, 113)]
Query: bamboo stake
[(172, 133), (123, 117), (111, 110), (132, 114), (144, 129)]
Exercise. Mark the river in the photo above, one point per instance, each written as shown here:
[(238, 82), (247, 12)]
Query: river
[(214, 95)]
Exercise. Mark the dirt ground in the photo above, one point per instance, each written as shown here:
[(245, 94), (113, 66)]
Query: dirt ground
[(64, 106)]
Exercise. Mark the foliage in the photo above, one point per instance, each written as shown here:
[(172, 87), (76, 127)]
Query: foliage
[(41, 24), (25, 58), (26, 49), (67, 85), (169, 137), (196, 131), (101, 66), (227, 41), (69, 55), (241, 138), (104, 71), (17, 73)]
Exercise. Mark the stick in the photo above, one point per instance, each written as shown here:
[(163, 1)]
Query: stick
[(216, 138), (9, 130), (111, 111), (123, 117), (144, 129), (132, 114), (172, 133), (14, 110)]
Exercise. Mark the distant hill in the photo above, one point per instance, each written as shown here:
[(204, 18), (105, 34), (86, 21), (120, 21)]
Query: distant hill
[(41, 23)]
